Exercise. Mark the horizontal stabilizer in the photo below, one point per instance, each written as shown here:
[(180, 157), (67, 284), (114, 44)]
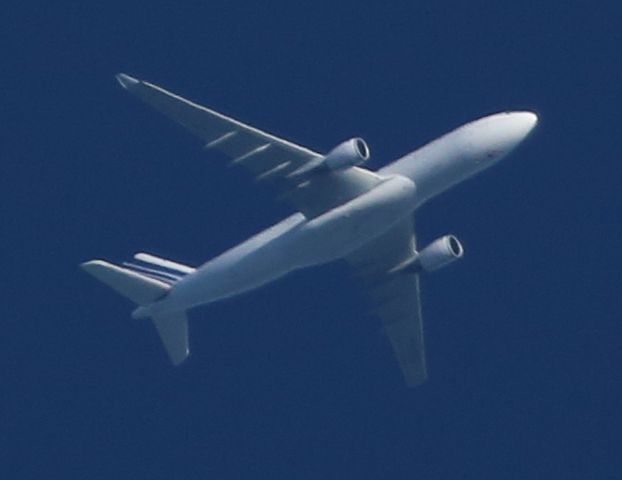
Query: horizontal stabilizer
[(138, 288), (173, 331), (162, 262), (160, 275)]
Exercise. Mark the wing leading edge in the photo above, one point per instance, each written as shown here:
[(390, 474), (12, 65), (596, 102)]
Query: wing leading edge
[(396, 296), (267, 157)]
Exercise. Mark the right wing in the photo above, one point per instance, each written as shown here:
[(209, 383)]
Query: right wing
[(268, 157), (396, 296)]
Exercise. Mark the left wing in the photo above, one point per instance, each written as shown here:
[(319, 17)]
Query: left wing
[(396, 296), (267, 157)]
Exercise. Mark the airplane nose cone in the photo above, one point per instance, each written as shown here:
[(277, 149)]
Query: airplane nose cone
[(495, 136), (511, 128), (522, 123)]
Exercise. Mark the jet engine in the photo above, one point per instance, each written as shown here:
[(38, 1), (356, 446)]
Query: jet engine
[(350, 153), (440, 253)]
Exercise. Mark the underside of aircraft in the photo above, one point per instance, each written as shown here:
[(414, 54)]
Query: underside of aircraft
[(344, 211)]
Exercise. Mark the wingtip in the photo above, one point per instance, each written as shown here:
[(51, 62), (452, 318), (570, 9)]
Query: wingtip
[(178, 360), (126, 81), (88, 264), (93, 265), (415, 379)]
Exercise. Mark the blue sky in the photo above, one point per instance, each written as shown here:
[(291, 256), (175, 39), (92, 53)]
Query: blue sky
[(294, 380)]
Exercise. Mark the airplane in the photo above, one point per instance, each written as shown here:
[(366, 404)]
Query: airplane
[(343, 212)]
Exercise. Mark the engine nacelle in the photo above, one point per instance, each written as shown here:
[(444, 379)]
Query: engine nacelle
[(350, 153), (440, 253)]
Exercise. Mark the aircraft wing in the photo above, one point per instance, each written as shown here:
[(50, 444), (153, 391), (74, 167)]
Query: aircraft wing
[(396, 296), (267, 157)]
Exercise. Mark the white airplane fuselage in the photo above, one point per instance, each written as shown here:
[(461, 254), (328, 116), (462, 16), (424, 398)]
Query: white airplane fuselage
[(298, 242)]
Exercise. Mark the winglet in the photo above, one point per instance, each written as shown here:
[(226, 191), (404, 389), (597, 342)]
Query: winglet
[(126, 81)]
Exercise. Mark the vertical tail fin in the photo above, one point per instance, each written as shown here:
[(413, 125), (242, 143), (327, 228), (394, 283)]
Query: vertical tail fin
[(143, 290), (173, 331)]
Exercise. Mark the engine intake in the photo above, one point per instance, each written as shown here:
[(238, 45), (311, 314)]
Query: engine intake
[(350, 153), (440, 253)]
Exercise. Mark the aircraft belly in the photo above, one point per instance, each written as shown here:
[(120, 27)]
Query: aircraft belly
[(295, 244), (235, 272), (348, 227)]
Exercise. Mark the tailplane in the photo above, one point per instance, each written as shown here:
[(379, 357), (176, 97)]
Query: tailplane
[(144, 288), (140, 289)]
